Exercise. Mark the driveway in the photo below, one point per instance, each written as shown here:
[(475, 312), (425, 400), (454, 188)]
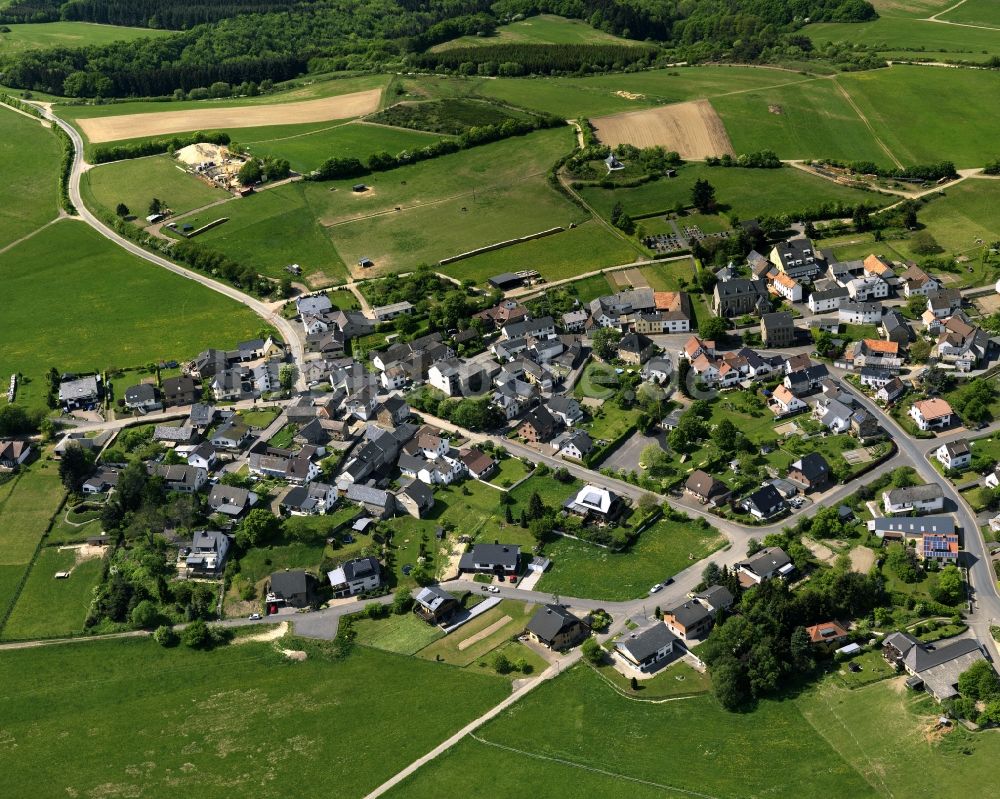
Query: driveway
[(627, 455)]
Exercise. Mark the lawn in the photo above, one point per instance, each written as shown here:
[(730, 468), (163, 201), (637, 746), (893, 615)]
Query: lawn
[(283, 438), (29, 162), (217, 724), (815, 121), (609, 422), (590, 288), (511, 470), (540, 29), (261, 562), (48, 35), (582, 569), (912, 108), (745, 193), (138, 181), (579, 721), (447, 649), (49, 607), (26, 504), (114, 309), (671, 275), (404, 634), (259, 419), (587, 247), (678, 679)]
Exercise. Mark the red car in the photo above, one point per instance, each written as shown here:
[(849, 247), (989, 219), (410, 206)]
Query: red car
[(513, 578)]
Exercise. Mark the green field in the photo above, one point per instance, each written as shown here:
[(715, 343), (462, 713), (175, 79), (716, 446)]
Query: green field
[(404, 634), (975, 12), (815, 121), (541, 29), (307, 146), (566, 729), (68, 34), (29, 162), (175, 726), (586, 247), (48, 607), (27, 502), (967, 212), (112, 309), (138, 181), (912, 38), (747, 193), (581, 569), (449, 650), (917, 131)]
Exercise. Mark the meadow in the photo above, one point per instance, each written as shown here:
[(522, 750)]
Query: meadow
[(27, 502), (111, 308), (745, 193), (131, 717), (975, 12), (581, 569), (576, 725), (914, 38), (45, 36), (29, 161), (48, 607), (540, 29), (136, 182), (917, 131)]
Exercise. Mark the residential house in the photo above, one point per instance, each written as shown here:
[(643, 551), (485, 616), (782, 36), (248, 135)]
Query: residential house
[(377, 503), (935, 668), (673, 310), (573, 444), (940, 547), (555, 627), (355, 577), (877, 354), (102, 481), (446, 376), (961, 344), (14, 453), (538, 426), (478, 463), (636, 348), (362, 404), (690, 620), (784, 402), (231, 501), (207, 555), (566, 409), (143, 397), (309, 500), (954, 455), (201, 417), (891, 391), (873, 378), (293, 467), (618, 310), (833, 414), (707, 489), (866, 289), (575, 321), (944, 302), (227, 384), (181, 478), (416, 498), (498, 559), (541, 328), (811, 472), (864, 426), (657, 370), (860, 313), (931, 414), (645, 649), (695, 347), (798, 259), (828, 635), (916, 282), (895, 327), (435, 605), (777, 329), (293, 587), (739, 296), (913, 499), (827, 296), (232, 435), (80, 392), (386, 313), (769, 563), (879, 267), (845, 271), (787, 287), (763, 503), (900, 528), (716, 598), (203, 457), (595, 504)]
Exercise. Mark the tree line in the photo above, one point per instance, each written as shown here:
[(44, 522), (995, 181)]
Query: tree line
[(167, 14), (512, 60)]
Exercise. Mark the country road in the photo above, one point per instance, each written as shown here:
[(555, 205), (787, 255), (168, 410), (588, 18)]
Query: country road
[(287, 330)]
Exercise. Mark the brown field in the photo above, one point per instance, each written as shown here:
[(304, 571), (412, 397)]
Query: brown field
[(692, 129), (134, 126)]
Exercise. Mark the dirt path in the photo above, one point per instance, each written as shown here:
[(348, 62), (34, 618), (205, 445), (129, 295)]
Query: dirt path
[(934, 18), (273, 634), (863, 118), (80, 639), (13, 244), (486, 632)]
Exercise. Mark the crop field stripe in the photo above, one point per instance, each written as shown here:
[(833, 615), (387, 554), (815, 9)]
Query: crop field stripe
[(850, 100), (592, 769)]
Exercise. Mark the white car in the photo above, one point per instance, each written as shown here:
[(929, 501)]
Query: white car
[(655, 588), (493, 589), (254, 617)]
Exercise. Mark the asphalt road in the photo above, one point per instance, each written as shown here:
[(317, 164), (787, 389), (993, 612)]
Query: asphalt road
[(287, 330)]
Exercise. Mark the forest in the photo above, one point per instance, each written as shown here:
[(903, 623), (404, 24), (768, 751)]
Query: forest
[(248, 40)]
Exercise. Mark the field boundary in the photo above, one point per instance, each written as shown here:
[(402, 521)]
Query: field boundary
[(500, 245)]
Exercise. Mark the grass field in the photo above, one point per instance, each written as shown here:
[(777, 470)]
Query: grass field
[(267, 723), (404, 634), (747, 193), (541, 29), (917, 131), (586, 247), (448, 650), (975, 12), (581, 569), (50, 607), (138, 181), (111, 309), (26, 504), (582, 724), (29, 162), (45, 36), (913, 38), (815, 121)]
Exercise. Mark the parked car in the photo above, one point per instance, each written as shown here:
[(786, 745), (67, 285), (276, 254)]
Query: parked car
[(513, 578), (254, 617), (493, 589), (655, 588)]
